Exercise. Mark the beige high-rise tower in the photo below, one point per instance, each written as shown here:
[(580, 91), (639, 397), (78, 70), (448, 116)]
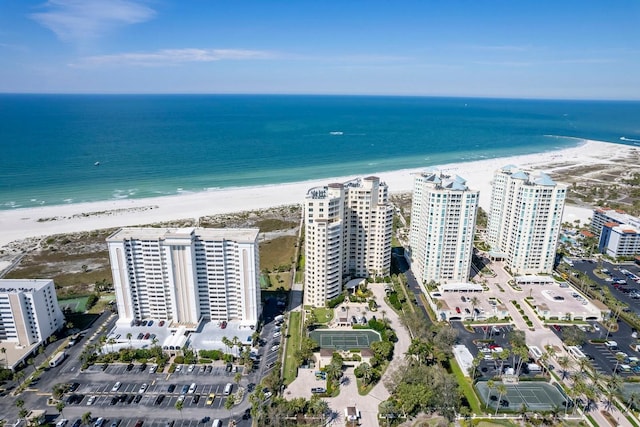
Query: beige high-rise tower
[(347, 235)]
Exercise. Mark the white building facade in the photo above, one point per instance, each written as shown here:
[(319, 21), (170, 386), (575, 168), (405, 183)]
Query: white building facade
[(524, 219), (186, 275), (347, 235), (443, 217), (29, 311)]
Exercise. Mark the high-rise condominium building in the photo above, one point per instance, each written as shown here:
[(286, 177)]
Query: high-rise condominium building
[(443, 217), (524, 219), (29, 311), (347, 235), (186, 275)]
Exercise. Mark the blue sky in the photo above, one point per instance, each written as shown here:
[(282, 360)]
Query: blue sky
[(588, 49)]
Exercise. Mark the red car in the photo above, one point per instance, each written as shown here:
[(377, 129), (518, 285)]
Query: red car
[(457, 309)]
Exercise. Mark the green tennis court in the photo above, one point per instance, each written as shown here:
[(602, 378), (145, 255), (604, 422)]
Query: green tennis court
[(535, 395), (345, 340)]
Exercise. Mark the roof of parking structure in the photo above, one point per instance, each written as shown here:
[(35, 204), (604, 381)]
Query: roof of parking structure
[(209, 337), (460, 287), (534, 280)]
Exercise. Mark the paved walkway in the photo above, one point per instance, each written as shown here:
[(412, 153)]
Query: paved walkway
[(349, 396)]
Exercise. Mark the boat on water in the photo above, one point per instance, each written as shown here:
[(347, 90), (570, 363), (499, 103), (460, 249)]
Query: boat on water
[(96, 164), (336, 132)]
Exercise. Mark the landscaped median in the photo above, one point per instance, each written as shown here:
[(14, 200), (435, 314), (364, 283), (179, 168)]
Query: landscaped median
[(293, 344)]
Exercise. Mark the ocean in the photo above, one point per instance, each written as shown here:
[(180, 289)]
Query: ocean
[(59, 149)]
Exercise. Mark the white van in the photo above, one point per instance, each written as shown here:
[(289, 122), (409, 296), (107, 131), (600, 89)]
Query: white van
[(227, 389)]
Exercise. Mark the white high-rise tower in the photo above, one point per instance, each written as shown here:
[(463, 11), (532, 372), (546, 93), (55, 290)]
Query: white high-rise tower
[(524, 219), (443, 217), (186, 275)]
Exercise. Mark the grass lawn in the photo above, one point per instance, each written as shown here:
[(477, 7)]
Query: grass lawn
[(324, 315), (293, 344), (467, 387), (277, 252), (102, 304), (284, 282)]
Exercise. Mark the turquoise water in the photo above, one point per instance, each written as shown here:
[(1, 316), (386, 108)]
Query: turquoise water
[(150, 145)]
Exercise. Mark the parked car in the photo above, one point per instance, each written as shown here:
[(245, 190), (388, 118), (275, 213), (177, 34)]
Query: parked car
[(159, 399)]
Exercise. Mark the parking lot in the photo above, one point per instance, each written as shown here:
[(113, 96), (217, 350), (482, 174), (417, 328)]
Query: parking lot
[(625, 292), (602, 358)]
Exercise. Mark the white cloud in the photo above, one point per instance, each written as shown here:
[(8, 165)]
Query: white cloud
[(174, 57), (78, 19)]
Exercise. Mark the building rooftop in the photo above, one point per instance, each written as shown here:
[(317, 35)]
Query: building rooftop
[(531, 178), (22, 285), (441, 180), (150, 233)]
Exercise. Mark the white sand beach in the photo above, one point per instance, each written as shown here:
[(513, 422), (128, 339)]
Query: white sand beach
[(43, 221)]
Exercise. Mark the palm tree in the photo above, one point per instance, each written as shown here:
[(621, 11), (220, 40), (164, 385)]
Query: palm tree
[(227, 343), (228, 404), (619, 358), (59, 407), (474, 303), (4, 353), (490, 385), (367, 372), (86, 418), (633, 399), (333, 371), (476, 362), (179, 406), (237, 343), (502, 390), (564, 363)]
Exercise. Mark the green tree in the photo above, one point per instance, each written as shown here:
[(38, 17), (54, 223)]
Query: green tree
[(86, 418), (180, 406), (502, 390), (59, 407)]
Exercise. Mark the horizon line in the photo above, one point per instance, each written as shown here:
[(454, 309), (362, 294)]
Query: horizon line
[(372, 95)]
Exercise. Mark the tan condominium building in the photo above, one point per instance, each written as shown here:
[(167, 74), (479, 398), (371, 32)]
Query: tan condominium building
[(443, 217), (347, 235), (29, 312), (186, 275), (524, 219)]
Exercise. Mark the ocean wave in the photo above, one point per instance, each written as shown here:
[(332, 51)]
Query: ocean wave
[(124, 194), (624, 138)]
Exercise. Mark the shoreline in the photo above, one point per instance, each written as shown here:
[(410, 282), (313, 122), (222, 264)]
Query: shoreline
[(35, 222)]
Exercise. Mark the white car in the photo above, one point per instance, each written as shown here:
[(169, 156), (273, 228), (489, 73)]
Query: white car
[(178, 368), (191, 368), (91, 400), (153, 369), (63, 422), (143, 388), (275, 347), (277, 334), (116, 387), (596, 327)]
